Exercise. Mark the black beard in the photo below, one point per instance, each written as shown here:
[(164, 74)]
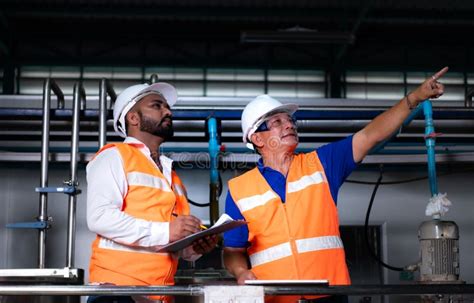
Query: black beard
[(152, 127)]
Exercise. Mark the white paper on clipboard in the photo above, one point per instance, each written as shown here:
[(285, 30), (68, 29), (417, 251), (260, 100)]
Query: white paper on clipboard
[(224, 223)]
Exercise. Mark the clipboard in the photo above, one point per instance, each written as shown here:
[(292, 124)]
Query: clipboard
[(224, 223)]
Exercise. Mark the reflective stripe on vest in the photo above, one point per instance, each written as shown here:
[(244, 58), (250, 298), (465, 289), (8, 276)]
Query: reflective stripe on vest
[(303, 245), (109, 244), (179, 190), (143, 179), (318, 243), (254, 201), (305, 181), (271, 254)]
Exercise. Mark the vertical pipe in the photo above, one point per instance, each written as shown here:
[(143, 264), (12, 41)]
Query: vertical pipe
[(154, 78), (430, 146), (71, 230), (102, 113), (106, 89), (43, 207), (214, 175)]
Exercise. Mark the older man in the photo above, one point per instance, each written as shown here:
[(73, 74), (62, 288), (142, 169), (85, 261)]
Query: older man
[(289, 200)]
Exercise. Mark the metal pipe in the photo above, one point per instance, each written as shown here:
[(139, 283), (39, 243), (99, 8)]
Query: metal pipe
[(105, 89), (468, 98), (78, 99), (43, 207), (102, 113), (100, 290), (452, 127), (49, 85), (154, 78), (58, 92), (191, 290), (82, 97), (238, 103)]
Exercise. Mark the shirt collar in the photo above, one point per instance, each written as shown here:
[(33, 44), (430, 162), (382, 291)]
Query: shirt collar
[(166, 162), (135, 141), (261, 166)]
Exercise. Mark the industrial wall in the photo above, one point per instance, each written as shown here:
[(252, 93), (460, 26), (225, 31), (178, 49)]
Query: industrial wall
[(398, 208)]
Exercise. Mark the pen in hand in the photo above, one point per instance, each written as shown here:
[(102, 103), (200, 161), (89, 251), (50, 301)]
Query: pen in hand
[(201, 226)]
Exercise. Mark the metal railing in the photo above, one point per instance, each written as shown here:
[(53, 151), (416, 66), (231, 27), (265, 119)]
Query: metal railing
[(105, 89), (49, 85), (198, 290)]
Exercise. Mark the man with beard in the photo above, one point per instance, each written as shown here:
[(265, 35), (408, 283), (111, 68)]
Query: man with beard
[(289, 199), (136, 201)]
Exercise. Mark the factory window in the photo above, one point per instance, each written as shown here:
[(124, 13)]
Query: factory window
[(394, 85), (296, 83), (453, 82), (32, 78), (470, 79), (235, 82), (374, 85), (188, 81), (121, 77), (226, 82)]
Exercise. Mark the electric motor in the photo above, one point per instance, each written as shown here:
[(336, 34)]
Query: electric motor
[(439, 250)]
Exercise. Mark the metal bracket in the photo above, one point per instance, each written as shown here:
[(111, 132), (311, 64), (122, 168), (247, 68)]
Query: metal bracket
[(29, 225), (432, 135), (34, 276), (70, 190)]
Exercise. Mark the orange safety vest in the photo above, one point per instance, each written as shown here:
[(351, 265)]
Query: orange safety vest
[(150, 197), (298, 239)]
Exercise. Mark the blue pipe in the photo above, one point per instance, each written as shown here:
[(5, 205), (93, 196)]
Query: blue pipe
[(236, 114), (429, 140), (213, 149), (430, 146)]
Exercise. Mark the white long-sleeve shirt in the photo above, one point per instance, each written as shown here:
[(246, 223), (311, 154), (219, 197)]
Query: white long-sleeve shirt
[(106, 190)]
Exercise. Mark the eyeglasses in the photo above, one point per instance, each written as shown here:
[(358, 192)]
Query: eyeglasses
[(276, 123)]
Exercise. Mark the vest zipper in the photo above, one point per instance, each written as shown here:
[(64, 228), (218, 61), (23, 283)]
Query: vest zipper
[(292, 241)]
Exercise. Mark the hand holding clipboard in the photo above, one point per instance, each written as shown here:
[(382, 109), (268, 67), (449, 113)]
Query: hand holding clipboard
[(224, 223)]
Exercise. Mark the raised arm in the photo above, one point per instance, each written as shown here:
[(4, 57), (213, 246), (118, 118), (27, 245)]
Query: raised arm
[(389, 121)]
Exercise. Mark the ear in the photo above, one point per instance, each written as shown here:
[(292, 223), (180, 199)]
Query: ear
[(257, 140), (133, 119)]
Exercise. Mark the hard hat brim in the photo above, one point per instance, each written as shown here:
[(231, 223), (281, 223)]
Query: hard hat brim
[(167, 90), (289, 108)]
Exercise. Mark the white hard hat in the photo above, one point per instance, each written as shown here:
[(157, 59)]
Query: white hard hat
[(257, 110), (131, 95)]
